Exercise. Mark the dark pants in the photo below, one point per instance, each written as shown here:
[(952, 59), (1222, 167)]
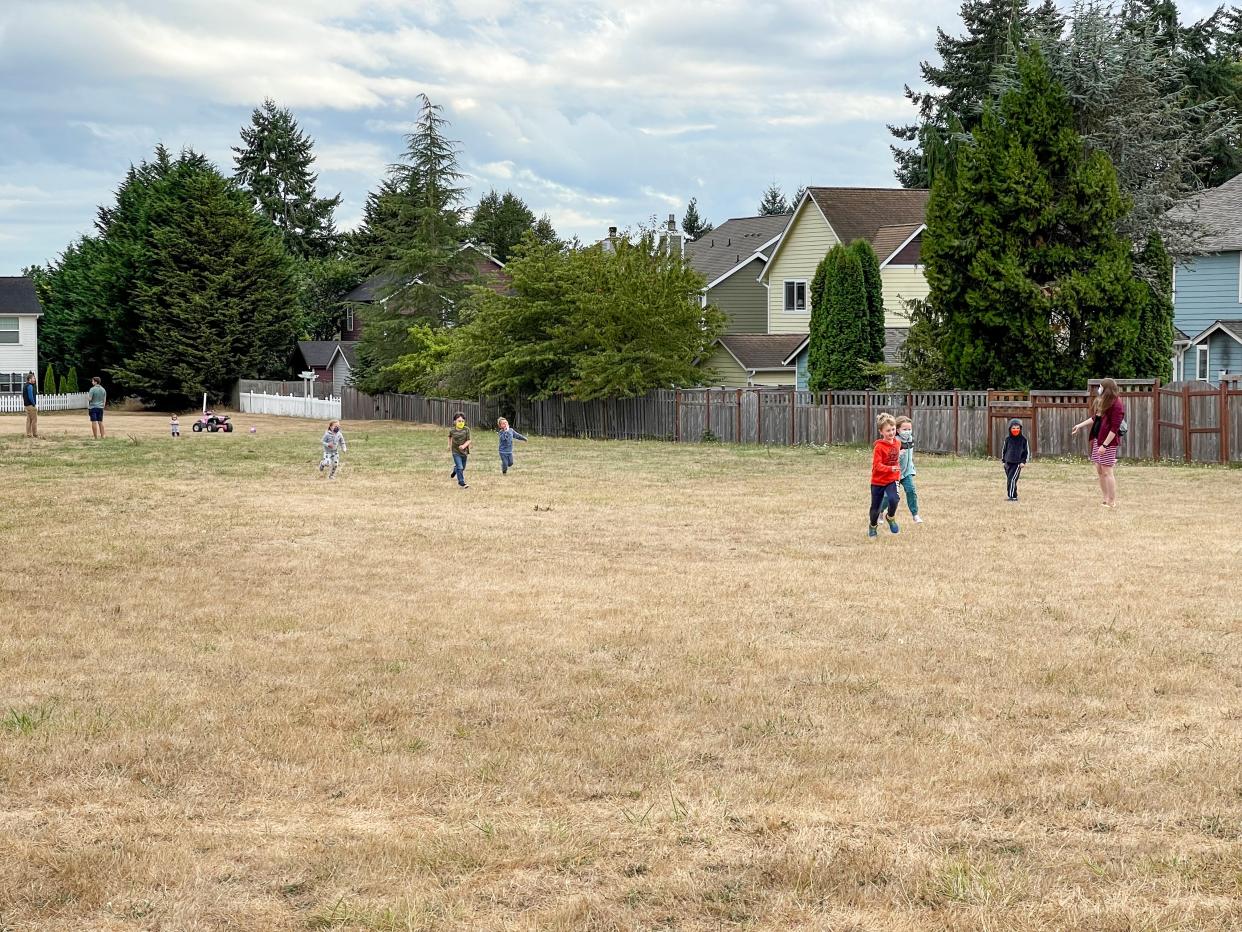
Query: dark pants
[(459, 467), (1012, 472), (881, 494), (506, 460)]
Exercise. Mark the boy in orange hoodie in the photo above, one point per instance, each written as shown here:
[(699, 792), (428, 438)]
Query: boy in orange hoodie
[(885, 473)]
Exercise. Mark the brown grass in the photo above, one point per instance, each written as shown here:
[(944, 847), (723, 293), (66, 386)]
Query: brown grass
[(628, 687)]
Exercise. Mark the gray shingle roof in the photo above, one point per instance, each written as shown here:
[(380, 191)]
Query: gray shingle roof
[(1219, 210), (860, 213), (1231, 327), (894, 339), (732, 243), (317, 353), (17, 296), (762, 350)]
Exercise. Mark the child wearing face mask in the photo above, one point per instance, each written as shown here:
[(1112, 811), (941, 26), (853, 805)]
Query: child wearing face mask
[(1014, 455), (459, 446), (905, 433), (333, 447)]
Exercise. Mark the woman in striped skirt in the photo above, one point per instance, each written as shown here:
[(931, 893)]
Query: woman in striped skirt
[(1107, 413)]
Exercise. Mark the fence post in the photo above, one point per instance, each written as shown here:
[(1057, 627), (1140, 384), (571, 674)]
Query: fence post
[(867, 429), (910, 405), (987, 407), (1034, 423), (828, 414), (709, 411), (792, 400), (957, 413), (1155, 420), (1186, 421), (677, 416), (738, 438), (759, 417), (1223, 422)]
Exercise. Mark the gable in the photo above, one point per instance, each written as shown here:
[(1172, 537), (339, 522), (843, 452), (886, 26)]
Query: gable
[(808, 230)]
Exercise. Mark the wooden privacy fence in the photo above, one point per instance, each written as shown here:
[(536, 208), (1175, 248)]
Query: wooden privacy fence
[(1189, 421)]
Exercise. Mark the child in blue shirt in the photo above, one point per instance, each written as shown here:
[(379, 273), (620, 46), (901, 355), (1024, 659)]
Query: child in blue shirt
[(507, 436), (905, 433)]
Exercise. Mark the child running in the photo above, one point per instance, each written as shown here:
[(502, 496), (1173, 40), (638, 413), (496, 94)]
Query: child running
[(459, 446), (1014, 455), (333, 447), (507, 436), (175, 426), (905, 433), (885, 473)]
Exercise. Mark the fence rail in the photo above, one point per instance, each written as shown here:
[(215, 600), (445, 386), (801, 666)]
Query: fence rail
[(13, 404), (1188, 421), (290, 405)]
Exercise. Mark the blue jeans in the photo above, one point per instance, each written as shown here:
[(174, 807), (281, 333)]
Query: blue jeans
[(506, 460), (881, 494), (459, 467), (912, 495)]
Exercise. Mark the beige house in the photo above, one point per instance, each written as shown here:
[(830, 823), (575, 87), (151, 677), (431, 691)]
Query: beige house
[(890, 219)]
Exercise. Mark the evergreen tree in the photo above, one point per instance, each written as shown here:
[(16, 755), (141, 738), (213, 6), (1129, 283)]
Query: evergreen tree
[(1022, 253), (49, 381), (773, 202), (840, 350), (322, 285), (412, 234), (818, 351), (70, 383), (962, 84), (274, 163), (797, 198), (692, 224), (500, 222), (216, 295), (1154, 357), (873, 309), (922, 353)]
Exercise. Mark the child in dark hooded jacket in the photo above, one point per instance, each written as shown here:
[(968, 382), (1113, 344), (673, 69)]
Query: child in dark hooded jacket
[(1014, 455)]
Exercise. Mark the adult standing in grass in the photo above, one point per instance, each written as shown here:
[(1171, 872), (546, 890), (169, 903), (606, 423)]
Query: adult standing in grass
[(96, 398), (30, 398), (1107, 413)]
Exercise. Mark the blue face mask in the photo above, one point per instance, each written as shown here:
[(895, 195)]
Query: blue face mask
[(906, 435)]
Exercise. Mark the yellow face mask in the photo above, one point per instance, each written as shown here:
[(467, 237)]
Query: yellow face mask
[(460, 424)]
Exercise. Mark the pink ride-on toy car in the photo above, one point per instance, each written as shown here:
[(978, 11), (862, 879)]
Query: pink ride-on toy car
[(212, 422)]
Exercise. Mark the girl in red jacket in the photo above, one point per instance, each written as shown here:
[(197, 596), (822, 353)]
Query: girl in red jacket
[(1107, 413), (885, 473)]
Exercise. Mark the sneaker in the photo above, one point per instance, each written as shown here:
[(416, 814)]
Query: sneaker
[(453, 474), (462, 485), (892, 524), (918, 520), (871, 532)]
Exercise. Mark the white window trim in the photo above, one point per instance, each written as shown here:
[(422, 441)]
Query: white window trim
[(15, 329), (349, 319), (806, 291), (1202, 358)]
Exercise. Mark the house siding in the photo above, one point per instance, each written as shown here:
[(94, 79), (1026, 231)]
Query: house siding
[(800, 363), (901, 284), (340, 375), (806, 242), (724, 370), (775, 378), (743, 299), (1207, 291), (22, 356)]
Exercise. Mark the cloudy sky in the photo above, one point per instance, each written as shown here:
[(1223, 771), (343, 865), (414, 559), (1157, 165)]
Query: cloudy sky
[(595, 113)]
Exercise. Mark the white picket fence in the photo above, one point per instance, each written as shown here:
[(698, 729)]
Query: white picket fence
[(290, 405), (13, 404)]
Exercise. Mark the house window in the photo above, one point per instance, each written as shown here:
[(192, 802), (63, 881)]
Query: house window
[(1201, 363), (795, 297), (10, 330), (11, 382), (349, 320)]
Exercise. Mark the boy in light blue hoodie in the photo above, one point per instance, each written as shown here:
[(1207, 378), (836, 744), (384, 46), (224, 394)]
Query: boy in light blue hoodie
[(507, 436), (905, 433)]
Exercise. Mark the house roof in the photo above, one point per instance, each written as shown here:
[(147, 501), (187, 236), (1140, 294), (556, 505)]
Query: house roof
[(17, 296), (1232, 327), (349, 350), (370, 290), (732, 244), (318, 353), (894, 339), (761, 350), (1219, 210), (860, 213), (890, 239)]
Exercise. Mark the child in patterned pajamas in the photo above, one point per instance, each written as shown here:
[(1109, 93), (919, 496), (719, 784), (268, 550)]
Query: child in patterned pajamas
[(333, 446)]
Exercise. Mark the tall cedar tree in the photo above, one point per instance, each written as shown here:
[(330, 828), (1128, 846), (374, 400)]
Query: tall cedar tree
[(873, 309), (840, 351), (274, 165), (412, 235), (589, 323), (1154, 359), (1133, 98), (962, 84), (692, 224), (773, 202), (1022, 254), (215, 295), (501, 220)]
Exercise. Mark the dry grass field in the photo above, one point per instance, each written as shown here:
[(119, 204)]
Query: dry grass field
[(627, 687)]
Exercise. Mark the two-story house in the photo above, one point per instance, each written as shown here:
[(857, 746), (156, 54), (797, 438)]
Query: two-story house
[(19, 332), (1207, 290)]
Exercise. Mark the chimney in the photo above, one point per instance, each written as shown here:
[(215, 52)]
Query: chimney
[(672, 223), (612, 232)]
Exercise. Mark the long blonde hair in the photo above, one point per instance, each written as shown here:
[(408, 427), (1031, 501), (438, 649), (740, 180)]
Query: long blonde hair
[(1103, 401)]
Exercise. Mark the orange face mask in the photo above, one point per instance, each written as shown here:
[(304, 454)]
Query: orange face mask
[(1015, 431)]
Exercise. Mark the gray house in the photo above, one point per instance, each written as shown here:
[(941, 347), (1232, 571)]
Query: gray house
[(731, 257)]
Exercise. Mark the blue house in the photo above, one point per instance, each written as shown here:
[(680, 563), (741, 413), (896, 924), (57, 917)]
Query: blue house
[(1207, 291)]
